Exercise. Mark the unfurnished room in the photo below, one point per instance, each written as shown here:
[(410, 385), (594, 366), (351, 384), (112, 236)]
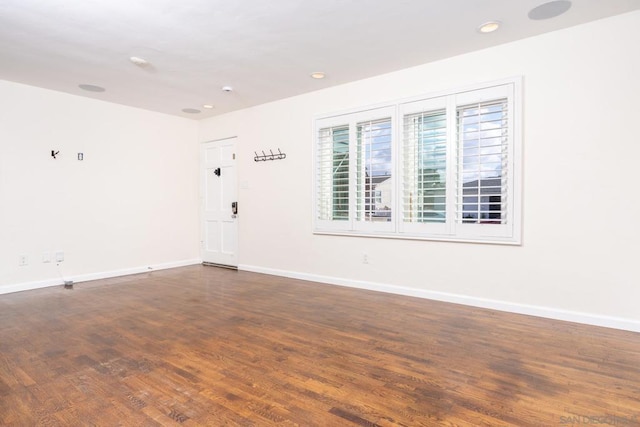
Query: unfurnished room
[(337, 213)]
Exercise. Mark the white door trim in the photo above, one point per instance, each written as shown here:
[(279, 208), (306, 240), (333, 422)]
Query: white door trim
[(218, 224)]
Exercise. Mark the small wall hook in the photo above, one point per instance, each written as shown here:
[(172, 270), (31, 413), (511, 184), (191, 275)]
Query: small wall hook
[(54, 153)]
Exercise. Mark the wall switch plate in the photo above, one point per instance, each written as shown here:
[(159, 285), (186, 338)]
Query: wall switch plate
[(46, 256), (59, 256)]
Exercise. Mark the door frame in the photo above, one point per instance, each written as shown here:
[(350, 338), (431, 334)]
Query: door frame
[(202, 196)]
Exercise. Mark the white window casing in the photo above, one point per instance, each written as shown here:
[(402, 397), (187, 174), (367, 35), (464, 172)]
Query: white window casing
[(441, 167), (485, 177), (424, 164)]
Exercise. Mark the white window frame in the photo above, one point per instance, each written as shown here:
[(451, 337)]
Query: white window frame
[(453, 229), (426, 230), (353, 225)]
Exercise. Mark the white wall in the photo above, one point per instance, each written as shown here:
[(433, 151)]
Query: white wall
[(581, 230), (130, 204)]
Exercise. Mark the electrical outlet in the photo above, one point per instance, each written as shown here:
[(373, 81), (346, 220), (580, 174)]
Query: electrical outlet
[(59, 256), (365, 258), (23, 260), (46, 256)]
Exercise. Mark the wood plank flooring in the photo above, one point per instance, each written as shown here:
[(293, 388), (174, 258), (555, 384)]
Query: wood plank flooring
[(204, 346)]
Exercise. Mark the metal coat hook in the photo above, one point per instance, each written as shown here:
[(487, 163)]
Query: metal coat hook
[(272, 156)]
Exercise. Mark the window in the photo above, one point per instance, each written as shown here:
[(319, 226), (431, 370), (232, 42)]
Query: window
[(449, 170)]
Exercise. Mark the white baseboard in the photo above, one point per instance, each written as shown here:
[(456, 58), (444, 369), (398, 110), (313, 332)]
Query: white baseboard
[(511, 307), (95, 276)]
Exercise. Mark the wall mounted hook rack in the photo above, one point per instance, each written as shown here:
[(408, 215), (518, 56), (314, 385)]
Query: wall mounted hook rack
[(273, 156)]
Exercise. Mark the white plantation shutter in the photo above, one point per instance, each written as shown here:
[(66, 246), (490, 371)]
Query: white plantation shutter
[(449, 169), (374, 190), (485, 153), (483, 144), (332, 176), (424, 166), (325, 170), (354, 164)]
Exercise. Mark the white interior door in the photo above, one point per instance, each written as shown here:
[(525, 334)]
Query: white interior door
[(219, 193)]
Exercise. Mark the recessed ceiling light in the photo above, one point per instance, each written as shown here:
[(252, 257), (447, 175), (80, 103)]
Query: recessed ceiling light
[(140, 62), (227, 89), (318, 75), (207, 106), (549, 10), (91, 88), (190, 110), (489, 27)]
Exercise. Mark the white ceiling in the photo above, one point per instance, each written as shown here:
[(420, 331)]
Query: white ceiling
[(264, 49)]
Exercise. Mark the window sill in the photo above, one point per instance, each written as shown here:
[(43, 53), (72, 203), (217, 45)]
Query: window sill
[(399, 236)]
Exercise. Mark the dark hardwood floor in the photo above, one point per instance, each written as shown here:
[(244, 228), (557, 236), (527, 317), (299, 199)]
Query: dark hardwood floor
[(203, 346)]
